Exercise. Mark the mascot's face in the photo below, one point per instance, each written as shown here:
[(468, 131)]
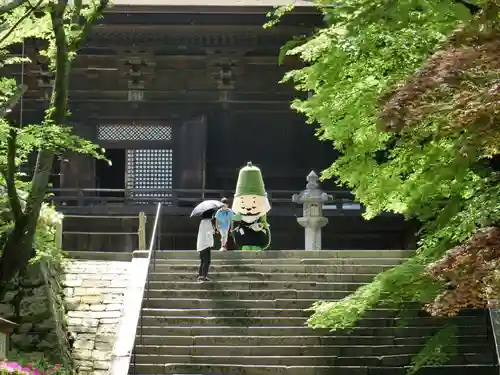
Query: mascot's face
[(251, 205)]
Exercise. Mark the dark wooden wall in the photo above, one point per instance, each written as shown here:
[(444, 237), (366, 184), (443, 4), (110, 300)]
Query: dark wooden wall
[(281, 144), (179, 233), (219, 67), (177, 60)]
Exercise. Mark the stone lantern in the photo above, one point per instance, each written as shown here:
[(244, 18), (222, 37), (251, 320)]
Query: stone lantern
[(312, 199), (6, 327)]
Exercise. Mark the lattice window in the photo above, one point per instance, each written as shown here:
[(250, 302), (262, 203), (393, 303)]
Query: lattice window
[(135, 96), (150, 169), (134, 133)]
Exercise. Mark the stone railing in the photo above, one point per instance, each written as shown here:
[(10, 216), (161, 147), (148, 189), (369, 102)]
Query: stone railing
[(495, 327), (125, 338), (138, 281)]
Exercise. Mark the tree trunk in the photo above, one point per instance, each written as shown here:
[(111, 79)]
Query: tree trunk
[(18, 248)]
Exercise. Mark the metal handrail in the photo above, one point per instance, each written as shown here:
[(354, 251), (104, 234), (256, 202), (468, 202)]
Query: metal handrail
[(155, 227), (154, 239)]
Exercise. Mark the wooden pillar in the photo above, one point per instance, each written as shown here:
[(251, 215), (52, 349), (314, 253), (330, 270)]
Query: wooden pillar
[(77, 171), (190, 156), (142, 231)]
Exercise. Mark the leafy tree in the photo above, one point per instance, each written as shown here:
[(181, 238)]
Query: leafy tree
[(471, 273), (408, 91), (63, 26)]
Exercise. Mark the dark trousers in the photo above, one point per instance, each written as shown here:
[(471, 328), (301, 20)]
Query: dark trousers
[(205, 258)]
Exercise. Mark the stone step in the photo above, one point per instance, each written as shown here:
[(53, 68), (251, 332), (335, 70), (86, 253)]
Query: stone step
[(297, 261), (276, 268), (351, 341), (253, 285), (209, 369), (227, 303), (100, 255), (264, 276), (224, 321), (285, 254), (278, 321), (201, 303), (291, 360), (249, 294), (251, 320), (299, 330), (225, 312), (287, 350), (269, 312)]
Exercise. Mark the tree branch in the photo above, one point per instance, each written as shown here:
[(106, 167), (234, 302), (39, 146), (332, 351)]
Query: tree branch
[(473, 9), (18, 248), (75, 19), (11, 6), (57, 111), (10, 175), (20, 20), (87, 26), (8, 105)]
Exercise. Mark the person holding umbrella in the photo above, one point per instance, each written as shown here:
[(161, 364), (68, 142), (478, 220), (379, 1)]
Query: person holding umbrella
[(205, 238), (224, 223)]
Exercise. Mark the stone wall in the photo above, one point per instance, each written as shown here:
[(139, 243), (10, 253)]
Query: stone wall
[(34, 301), (94, 294)]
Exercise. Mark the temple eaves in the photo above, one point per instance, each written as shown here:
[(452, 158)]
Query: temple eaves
[(208, 6), (224, 3)]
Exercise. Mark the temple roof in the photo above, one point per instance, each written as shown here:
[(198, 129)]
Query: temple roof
[(250, 3), (206, 6)]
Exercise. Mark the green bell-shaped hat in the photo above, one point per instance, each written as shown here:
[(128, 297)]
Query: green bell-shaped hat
[(250, 182)]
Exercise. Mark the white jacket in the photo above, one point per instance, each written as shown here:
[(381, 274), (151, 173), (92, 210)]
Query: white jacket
[(205, 235)]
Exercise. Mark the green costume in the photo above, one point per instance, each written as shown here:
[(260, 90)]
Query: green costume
[(251, 230)]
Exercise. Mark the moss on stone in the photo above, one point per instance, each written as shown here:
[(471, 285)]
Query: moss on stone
[(34, 301)]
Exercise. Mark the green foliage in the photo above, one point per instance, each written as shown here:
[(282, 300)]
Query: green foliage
[(438, 350), (275, 15), (396, 286), (419, 173), (33, 364), (25, 220), (477, 259), (418, 149), (44, 243)]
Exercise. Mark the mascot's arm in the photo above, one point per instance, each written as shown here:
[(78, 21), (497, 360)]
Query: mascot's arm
[(235, 230), (267, 227), (263, 221)]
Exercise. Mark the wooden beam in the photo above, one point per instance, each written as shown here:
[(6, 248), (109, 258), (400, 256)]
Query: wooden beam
[(203, 8), (175, 101), (181, 37), (195, 4), (217, 17), (197, 29), (101, 111), (191, 96)]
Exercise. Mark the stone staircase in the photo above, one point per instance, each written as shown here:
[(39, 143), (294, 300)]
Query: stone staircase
[(251, 319)]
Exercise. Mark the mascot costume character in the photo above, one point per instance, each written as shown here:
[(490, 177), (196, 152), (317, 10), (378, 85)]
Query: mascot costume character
[(250, 205)]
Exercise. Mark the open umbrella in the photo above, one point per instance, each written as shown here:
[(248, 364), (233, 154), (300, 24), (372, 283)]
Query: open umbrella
[(206, 207)]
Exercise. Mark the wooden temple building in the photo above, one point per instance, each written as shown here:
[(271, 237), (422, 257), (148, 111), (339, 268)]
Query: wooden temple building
[(182, 94)]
